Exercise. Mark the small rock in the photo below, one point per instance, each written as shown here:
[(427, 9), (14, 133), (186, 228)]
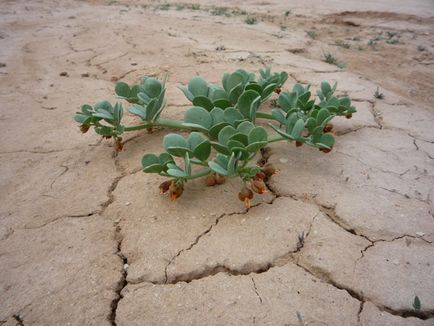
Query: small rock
[(85, 75), (134, 63), (420, 234), (283, 160), (127, 203), (64, 74), (2, 64), (125, 267)]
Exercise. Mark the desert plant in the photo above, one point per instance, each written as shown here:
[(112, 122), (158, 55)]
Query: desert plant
[(250, 21), (331, 59), (224, 139)]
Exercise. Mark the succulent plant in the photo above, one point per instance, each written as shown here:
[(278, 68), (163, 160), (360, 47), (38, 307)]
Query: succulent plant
[(224, 139)]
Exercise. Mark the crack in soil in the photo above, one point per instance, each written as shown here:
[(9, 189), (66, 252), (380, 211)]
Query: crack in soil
[(256, 289)]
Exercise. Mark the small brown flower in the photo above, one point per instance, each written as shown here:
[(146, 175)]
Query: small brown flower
[(164, 187), (219, 179), (258, 186), (268, 169), (278, 90), (349, 116), (298, 143), (84, 128), (245, 195), (328, 127), (175, 190), (325, 150), (210, 180), (260, 176), (118, 145)]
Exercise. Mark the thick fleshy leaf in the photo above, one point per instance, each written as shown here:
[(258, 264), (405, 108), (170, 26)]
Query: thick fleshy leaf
[(297, 129), (218, 115), (327, 141), (203, 102), (198, 116), (175, 145), (198, 86), (215, 129), (322, 115), (233, 80), (287, 101), (151, 163), (278, 116), (217, 168), (138, 110), (104, 115), (235, 93), (219, 94), (186, 92), (245, 127), (222, 103), (152, 87), (232, 116), (225, 134), (258, 134), (122, 89), (245, 101)]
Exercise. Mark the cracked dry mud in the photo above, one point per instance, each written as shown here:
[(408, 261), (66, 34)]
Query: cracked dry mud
[(85, 238)]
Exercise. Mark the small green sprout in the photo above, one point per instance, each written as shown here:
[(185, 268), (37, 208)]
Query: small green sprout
[(378, 94), (331, 59), (417, 304), (250, 21), (312, 34)]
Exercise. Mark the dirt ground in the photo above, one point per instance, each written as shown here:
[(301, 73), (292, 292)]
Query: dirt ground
[(85, 237)]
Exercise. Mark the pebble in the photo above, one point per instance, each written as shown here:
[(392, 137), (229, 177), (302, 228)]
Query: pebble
[(125, 267), (127, 203), (283, 160), (420, 234)]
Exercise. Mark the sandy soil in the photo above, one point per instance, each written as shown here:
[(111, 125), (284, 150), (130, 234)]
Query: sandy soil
[(85, 238)]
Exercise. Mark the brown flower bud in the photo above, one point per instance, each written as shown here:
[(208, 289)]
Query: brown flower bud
[(260, 176), (245, 195), (278, 90), (328, 127), (325, 150), (164, 187), (210, 180), (84, 128), (268, 169), (175, 190), (118, 145), (258, 186), (219, 179), (349, 116), (298, 143)]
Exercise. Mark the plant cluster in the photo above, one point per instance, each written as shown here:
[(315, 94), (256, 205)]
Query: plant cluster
[(225, 139)]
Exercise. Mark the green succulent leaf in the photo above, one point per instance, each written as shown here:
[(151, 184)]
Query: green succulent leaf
[(203, 102), (198, 86), (197, 116), (151, 163), (297, 129), (152, 87), (175, 145), (217, 168)]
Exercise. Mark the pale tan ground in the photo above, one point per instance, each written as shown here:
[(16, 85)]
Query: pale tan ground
[(85, 238)]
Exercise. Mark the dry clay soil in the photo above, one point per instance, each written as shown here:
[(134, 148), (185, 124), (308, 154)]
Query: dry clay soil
[(85, 237)]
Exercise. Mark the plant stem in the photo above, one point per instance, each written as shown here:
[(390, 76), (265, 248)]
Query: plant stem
[(274, 138), (264, 115), (161, 123)]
